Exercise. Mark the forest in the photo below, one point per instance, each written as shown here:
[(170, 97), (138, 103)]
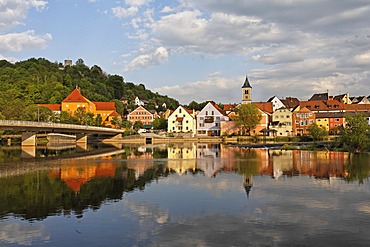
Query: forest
[(39, 81)]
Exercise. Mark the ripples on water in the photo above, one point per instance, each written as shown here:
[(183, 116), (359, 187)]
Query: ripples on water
[(192, 195)]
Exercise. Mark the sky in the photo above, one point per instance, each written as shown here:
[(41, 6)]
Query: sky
[(202, 49)]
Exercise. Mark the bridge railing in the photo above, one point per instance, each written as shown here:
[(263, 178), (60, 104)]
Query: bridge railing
[(13, 123)]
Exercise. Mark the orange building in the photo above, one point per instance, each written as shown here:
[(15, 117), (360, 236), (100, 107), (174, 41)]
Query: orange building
[(141, 114), (302, 119), (75, 100)]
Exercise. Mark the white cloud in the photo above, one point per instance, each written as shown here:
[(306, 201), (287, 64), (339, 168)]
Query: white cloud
[(21, 234), (16, 42), (121, 13), (137, 2), (215, 87), (160, 55), (12, 12)]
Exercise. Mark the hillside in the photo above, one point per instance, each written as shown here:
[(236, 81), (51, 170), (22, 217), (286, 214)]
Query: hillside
[(33, 81)]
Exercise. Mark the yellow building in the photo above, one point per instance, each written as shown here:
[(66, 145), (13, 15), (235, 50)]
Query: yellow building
[(75, 100)]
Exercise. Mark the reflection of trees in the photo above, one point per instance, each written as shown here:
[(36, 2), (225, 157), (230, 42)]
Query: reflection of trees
[(358, 167), (36, 195), (247, 162)]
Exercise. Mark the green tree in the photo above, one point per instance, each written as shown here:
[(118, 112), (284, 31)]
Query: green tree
[(80, 115), (316, 132), (355, 134), (116, 121), (98, 120), (138, 125), (126, 124), (248, 117), (160, 124)]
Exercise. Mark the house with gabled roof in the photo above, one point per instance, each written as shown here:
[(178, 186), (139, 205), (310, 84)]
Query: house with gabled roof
[(209, 120), (76, 100), (343, 98), (360, 100), (302, 119), (290, 102), (281, 122), (276, 103), (319, 96), (182, 120), (143, 115)]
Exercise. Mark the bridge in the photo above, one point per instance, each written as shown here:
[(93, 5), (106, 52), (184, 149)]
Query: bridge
[(29, 130)]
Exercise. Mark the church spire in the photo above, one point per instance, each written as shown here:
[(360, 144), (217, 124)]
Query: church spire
[(246, 83), (246, 92)]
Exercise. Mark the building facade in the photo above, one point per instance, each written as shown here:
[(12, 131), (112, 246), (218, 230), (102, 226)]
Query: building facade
[(182, 120), (209, 120), (143, 115)]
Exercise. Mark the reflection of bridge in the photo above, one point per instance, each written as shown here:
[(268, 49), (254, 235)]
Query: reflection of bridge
[(29, 130)]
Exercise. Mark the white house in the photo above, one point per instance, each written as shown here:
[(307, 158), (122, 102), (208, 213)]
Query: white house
[(276, 103), (209, 118), (182, 120)]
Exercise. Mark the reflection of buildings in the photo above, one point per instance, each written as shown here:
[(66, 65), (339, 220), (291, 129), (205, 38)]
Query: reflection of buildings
[(182, 157), (140, 161), (75, 174), (208, 159)]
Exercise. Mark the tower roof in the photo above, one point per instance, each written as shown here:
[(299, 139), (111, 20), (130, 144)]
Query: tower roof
[(246, 83)]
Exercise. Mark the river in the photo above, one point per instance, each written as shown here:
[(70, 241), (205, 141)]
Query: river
[(191, 194)]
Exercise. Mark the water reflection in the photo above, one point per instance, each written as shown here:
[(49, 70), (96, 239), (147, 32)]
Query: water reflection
[(204, 179)]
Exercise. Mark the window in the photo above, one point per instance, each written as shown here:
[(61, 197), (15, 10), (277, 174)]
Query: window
[(337, 120), (180, 110), (206, 113), (187, 121), (287, 116), (201, 118), (296, 121), (216, 124), (213, 113)]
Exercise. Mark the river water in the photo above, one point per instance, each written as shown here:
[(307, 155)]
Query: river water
[(183, 195)]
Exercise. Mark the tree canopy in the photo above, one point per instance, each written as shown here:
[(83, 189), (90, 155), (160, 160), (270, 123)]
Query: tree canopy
[(248, 117), (39, 81), (355, 134)]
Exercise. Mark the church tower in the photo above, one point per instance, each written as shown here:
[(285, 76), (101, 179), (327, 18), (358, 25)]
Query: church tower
[(246, 92)]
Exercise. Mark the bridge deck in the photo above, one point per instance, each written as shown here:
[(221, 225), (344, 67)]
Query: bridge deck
[(56, 127)]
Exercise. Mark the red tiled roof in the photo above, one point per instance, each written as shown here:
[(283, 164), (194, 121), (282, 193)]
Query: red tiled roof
[(75, 96), (322, 105), (101, 106), (114, 114), (357, 107), (264, 106), (229, 107), (53, 107)]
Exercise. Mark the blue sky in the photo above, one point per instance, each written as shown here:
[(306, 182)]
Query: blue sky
[(201, 49)]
